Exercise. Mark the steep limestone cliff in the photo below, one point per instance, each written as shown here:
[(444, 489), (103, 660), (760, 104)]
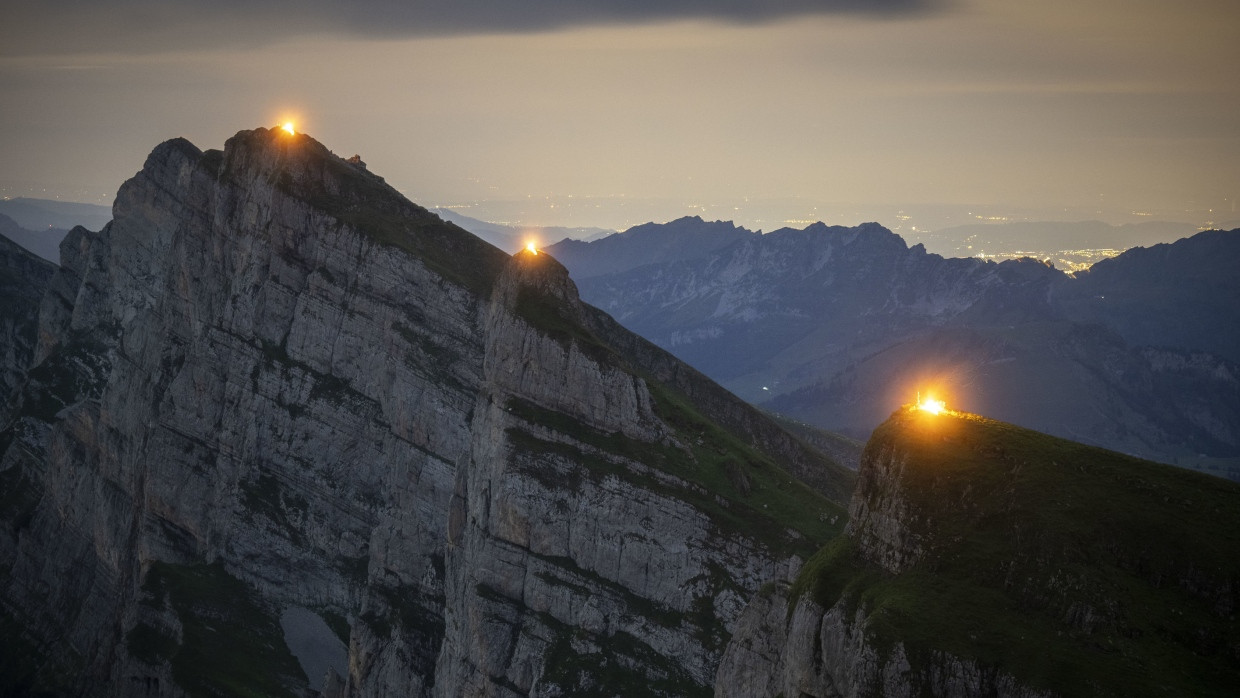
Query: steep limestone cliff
[(985, 559), (24, 278), (272, 388)]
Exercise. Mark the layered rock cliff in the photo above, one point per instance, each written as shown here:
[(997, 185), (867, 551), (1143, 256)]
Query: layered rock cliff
[(24, 278), (985, 559), (275, 405)]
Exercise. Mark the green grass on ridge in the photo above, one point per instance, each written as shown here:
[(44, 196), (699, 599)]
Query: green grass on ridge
[(1075, 569)]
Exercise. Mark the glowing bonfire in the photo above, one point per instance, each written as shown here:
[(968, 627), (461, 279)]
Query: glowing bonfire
[(930, 404), (533, 249), (288, 126)]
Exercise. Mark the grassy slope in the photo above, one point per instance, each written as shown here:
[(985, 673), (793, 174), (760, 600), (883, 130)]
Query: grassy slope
[(1073, 568)]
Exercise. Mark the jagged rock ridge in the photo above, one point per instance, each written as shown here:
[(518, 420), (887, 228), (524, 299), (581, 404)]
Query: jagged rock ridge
[(272, 384)]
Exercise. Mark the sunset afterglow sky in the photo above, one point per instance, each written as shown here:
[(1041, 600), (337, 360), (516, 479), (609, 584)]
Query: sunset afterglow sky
[(1124, 106)]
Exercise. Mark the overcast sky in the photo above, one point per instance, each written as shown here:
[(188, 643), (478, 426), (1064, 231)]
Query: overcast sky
[(1127, 106)]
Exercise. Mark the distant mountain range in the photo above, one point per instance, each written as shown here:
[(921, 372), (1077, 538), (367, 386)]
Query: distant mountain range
[(40, 224), (37, 214), (44, 242), (1027, 236), (836, 326)]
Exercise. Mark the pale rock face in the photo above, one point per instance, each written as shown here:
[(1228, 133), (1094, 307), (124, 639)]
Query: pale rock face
[(880, 520), (245, 381), (24, 278)]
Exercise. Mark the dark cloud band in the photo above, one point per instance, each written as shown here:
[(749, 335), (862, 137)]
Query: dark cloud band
[(154, 25), (457, 16)]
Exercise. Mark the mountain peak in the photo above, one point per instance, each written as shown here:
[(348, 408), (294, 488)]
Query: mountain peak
[(927, 479), (276, 168), (540, 273), (986, 559), (298, 164)]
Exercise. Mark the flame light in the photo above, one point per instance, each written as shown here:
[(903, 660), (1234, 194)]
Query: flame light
[(931, 405), (288, 126), (533, 249)]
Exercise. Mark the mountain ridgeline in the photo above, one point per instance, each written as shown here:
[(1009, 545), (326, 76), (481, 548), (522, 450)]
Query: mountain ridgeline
[(274, 405), (275, 430), (834, 326)]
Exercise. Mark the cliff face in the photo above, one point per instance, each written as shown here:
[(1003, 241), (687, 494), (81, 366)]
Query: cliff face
[(23, 280), (272, 389), (985, 559)]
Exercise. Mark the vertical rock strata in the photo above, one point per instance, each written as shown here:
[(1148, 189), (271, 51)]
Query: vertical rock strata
[(24, 278), (270, 374)]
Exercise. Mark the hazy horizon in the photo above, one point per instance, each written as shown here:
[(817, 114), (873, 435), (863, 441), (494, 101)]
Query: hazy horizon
[(610, 114)]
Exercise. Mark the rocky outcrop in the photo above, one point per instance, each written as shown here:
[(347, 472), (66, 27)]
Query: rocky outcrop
[(272, 387), (985, 559), (825, 653)]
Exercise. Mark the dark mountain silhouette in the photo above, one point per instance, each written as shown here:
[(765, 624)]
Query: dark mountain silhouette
[(45, 243), (684, 238), (1185, 294), (40, 214)]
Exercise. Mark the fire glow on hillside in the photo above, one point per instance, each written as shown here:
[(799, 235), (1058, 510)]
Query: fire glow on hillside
[(930, 404)]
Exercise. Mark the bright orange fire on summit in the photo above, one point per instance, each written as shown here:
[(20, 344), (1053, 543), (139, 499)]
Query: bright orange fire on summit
[(288, 126), (931, 405), (531, 247)]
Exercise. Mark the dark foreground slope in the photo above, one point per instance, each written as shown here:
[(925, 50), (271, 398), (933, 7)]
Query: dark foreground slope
[(983, 558), (274, 405)]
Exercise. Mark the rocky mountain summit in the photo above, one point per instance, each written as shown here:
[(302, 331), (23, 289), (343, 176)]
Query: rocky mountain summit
[(280, 431), (836, 325), (985, 559)]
